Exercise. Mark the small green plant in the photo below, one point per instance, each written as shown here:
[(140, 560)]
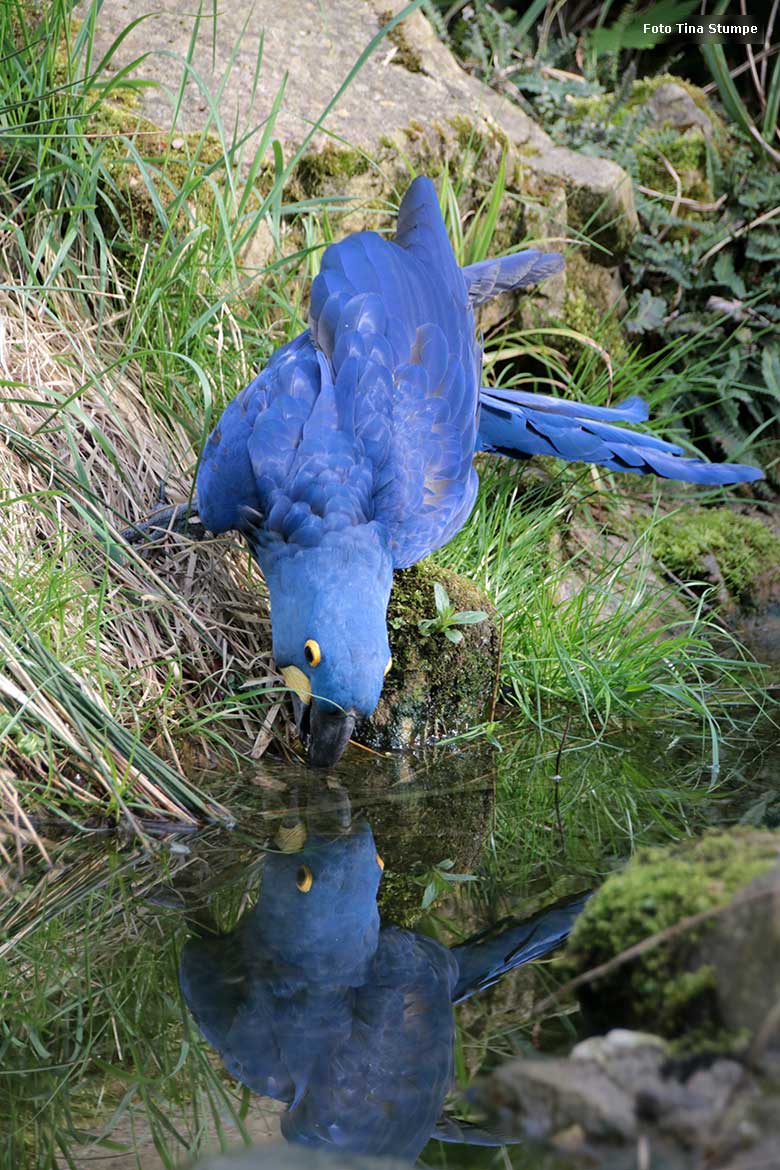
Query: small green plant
[(447, 617), (438, 880)]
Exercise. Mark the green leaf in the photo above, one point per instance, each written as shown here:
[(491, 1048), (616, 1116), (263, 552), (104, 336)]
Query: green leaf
[(454, 636), (429, 895), (441, 596), (469, 617)]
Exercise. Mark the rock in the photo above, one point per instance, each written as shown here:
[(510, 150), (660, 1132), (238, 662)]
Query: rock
[(274, 1156), (619, 1089), (673, 105), (687, 987), (546, 1097), (737, 551), (743, 949), (410, 100), (435, 687), (674, 130)]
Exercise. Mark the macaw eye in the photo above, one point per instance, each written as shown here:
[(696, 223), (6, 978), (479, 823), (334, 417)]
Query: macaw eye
[(312, 652), (389, 665), (304, 879), (379, 862)]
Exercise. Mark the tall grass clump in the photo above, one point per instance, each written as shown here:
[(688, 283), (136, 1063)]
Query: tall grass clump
[(128, 318)]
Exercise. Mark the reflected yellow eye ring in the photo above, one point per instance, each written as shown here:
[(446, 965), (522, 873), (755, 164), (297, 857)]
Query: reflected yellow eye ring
[(304, 879), (379, 862), (389, 665), (312, 652)]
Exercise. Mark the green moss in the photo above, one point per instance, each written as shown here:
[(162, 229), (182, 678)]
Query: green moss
[(587, 311), (406, 56), (685, 149), (435, 687), (316, 170), (664, 990), (743, 547)]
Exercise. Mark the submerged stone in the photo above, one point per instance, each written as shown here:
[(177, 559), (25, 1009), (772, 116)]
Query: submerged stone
[(620, 1089)]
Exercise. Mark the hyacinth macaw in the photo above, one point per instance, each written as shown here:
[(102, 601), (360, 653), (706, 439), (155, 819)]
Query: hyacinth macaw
[(350, 1024), (351, 454)]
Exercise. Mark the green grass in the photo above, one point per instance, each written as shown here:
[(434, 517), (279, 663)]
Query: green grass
[(97, 1047)]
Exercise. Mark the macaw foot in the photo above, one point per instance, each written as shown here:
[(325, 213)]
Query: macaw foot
[(181, 518)]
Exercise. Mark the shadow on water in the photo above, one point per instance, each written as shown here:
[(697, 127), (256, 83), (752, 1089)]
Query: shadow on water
[(103, 1063)]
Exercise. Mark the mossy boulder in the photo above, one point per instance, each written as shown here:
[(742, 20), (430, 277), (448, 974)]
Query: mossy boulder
[(673, 129), (680, 988), (410, 108), (435, 687), (738, 553)]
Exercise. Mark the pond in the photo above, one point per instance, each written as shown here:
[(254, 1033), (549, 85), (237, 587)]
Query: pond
[(103, 1063)]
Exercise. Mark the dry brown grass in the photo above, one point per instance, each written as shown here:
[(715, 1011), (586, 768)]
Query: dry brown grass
[(157, 637)]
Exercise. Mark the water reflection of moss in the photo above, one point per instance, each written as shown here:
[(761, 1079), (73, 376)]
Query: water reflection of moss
[(435, 687)]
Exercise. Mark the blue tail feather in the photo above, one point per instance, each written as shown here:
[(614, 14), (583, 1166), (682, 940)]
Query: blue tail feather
[(484, 958), (518, 424), (488, 278)]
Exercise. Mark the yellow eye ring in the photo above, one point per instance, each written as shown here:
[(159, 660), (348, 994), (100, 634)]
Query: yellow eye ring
[(304, 879), (389, 665), (312, 652), (379, 862)]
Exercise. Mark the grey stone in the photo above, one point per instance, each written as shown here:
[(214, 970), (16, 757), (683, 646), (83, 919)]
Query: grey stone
[(547, 1096), (616, 1087), (672, 105), (274, 1156), (410, 96), (743, 950)]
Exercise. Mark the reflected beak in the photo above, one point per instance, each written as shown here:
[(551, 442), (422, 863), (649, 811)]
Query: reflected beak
[(329, 731)]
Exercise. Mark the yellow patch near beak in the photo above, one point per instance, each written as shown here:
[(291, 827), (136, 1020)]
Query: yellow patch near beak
[(298, 682), (291, 838)]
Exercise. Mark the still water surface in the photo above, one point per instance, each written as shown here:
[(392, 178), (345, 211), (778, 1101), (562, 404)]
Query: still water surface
[(115, 1051)]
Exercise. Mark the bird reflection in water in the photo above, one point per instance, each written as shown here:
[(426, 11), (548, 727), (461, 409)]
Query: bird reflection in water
[(311, 1001)]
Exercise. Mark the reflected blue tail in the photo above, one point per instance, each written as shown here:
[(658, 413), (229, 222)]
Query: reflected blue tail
[(485, 957)]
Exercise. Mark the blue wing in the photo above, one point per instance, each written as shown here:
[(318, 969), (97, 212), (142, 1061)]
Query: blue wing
[(488, 278), (385, 1084), (394, 322), (485, 957), (518, 424), (231, 999)]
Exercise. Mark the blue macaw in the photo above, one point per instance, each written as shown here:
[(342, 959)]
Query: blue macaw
[(310, 1001), (351, 454)]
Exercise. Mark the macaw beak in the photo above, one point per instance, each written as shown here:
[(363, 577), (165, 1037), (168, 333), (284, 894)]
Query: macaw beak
[(324, 731)]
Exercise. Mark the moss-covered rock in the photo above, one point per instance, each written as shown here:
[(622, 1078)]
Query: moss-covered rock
[(435, 687), (673, 988), (722, 546), (673, 129)]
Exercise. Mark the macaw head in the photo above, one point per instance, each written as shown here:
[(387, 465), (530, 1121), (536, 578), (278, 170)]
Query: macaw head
[(317, 912), (329, 625)]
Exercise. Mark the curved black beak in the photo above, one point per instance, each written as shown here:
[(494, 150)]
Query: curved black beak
[(323, 729)]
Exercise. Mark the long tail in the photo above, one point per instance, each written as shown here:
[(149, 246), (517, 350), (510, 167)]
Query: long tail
[(485, 957), (518, 424)]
